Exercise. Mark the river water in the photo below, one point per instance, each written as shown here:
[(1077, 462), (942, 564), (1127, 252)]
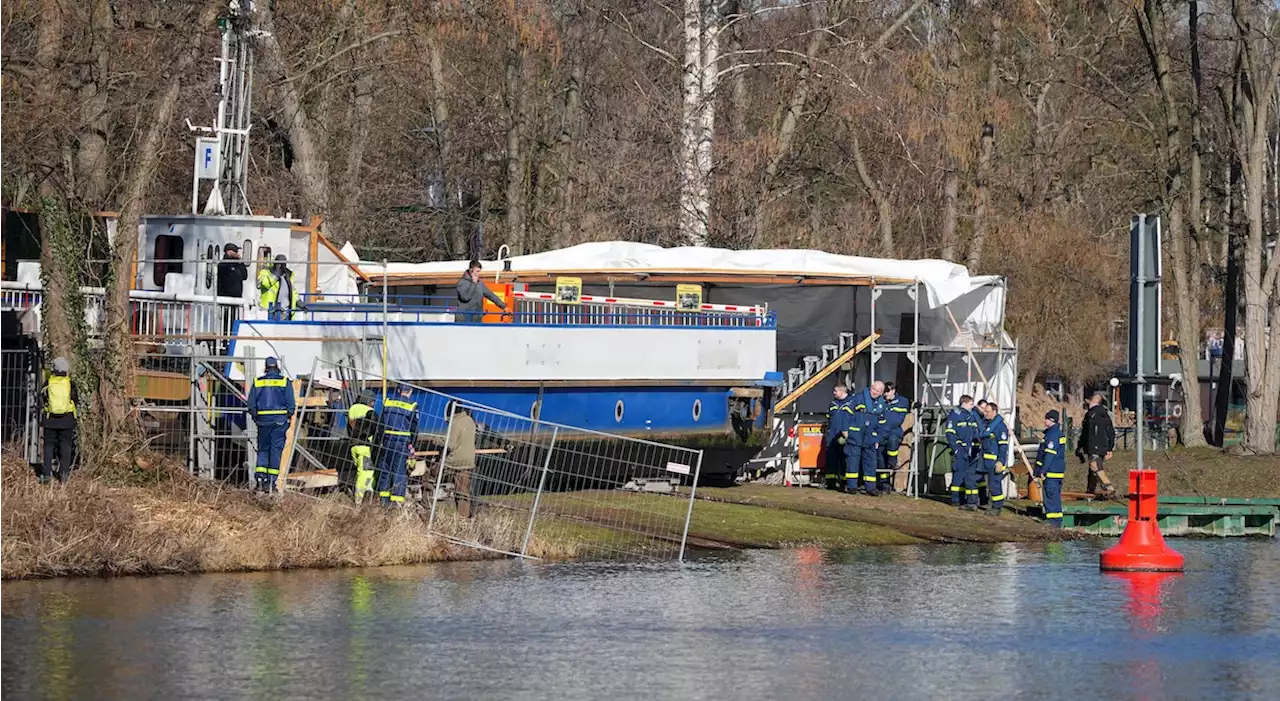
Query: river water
[(930, 622)]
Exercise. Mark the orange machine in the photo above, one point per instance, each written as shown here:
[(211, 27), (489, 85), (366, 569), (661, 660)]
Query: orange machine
[(810, 448), (494, 315)]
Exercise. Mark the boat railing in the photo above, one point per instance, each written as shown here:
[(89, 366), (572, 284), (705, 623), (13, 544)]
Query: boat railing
[(161, 315), (541, 308)]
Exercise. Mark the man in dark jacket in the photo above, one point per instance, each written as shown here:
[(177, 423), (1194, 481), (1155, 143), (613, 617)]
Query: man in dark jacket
[(232, 272), (1097, 440), (471, 295)]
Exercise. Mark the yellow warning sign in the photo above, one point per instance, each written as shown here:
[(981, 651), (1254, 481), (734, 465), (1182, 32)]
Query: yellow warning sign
[(689, 298), (569, 290)]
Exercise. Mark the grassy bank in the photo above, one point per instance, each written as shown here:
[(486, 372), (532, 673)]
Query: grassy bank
[(1192, 472), (159, 520)]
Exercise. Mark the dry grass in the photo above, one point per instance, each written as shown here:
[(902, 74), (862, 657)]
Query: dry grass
[(105, 525)]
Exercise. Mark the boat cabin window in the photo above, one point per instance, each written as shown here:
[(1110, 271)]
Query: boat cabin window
[(167, 257)]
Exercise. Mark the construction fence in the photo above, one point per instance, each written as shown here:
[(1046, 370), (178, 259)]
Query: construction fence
[(496, 480)]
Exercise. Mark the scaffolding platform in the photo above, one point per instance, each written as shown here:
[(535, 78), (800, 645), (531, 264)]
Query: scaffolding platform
[(1177, 516)]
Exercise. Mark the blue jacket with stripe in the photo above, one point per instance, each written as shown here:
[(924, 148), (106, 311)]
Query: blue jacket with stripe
[(271, 399), (839, 418), (995, 441), (895, 412), (1051, 458)]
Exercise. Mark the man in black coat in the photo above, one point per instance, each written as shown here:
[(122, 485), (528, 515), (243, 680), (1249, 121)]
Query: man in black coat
[(1097, 441), (232, 272)]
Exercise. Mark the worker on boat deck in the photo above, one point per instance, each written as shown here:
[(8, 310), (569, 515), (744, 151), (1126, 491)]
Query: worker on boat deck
[(271, 404), (58, 409), (277, 292), (461, 459), (362, 428), (980, 416), (472, 293), (1051, 467), (839, 419), (995, 450), (399, 427), (961, 430), (864, 439), (896, 408)]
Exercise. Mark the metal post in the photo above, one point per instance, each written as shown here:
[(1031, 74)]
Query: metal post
[(299, 419), (193, 406), (444, 452), (914, 475), (871, 349), (688, 514), (537, 496), (386, 290), (1140, 416)]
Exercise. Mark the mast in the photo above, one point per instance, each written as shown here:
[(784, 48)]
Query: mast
[(222, 150)]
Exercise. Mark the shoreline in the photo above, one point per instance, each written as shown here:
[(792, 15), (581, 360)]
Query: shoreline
[(105, 525)]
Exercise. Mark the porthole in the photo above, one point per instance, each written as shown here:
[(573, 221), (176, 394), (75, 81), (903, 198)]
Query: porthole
[(535, 410), (617, 411), (697, 409)]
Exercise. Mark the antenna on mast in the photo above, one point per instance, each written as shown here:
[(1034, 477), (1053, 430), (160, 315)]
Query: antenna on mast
[(222, 151)]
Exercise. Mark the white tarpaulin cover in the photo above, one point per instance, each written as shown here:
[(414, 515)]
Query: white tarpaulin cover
[(944, 281)]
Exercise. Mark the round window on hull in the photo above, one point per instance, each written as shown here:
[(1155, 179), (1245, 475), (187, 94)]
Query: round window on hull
[(617, 411), (697, 409)]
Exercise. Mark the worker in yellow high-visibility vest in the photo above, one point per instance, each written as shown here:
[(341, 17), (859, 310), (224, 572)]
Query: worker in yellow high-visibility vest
[(362, 427), (58, 419), (271, 404), (277, 292)]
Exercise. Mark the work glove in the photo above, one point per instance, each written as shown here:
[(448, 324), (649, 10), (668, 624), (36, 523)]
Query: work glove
[(841, 440), (1000, 468)]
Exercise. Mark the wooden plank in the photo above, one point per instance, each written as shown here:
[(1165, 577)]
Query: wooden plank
[(825, 372)]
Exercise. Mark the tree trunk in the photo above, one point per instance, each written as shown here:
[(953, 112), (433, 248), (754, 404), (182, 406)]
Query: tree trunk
[(566, 143), (1033, 370), (310, 164), (117, 420), (951, 168), (455, 222), (91, 176), (1183, 254), (55, 329), (884, 211), (517, 165), (982, 196), (1231, 302), (697, 122)]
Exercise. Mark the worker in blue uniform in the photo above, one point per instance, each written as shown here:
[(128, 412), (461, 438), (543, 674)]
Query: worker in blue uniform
[(960, 433), (271, 404), (863, 450), (995, 450), (399, 427), (980, 415), (896, 408), (839, 418), (1051, 467)]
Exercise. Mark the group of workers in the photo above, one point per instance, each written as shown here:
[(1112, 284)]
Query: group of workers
[(979, 442), (277, 293), (381, 443), (864, 433)]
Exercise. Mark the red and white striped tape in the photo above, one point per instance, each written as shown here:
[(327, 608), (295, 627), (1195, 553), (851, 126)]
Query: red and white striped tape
[(659, 303)]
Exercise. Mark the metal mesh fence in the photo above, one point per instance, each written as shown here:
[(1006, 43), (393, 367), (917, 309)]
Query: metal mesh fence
[(492, 479), (19, 375)]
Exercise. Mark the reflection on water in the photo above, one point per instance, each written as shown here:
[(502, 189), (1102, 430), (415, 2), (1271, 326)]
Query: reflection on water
[(929, 622)]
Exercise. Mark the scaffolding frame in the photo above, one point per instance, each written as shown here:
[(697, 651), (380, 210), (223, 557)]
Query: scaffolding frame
[(917, 355)]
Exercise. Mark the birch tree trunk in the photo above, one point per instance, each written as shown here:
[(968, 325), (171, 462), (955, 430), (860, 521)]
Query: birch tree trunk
[(951, 177), (697, 120)]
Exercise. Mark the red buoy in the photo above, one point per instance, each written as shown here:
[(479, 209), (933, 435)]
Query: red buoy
[(1142, 547)]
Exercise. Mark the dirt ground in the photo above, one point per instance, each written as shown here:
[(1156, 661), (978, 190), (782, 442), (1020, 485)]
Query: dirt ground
[(1192, 472), (924, 519)]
